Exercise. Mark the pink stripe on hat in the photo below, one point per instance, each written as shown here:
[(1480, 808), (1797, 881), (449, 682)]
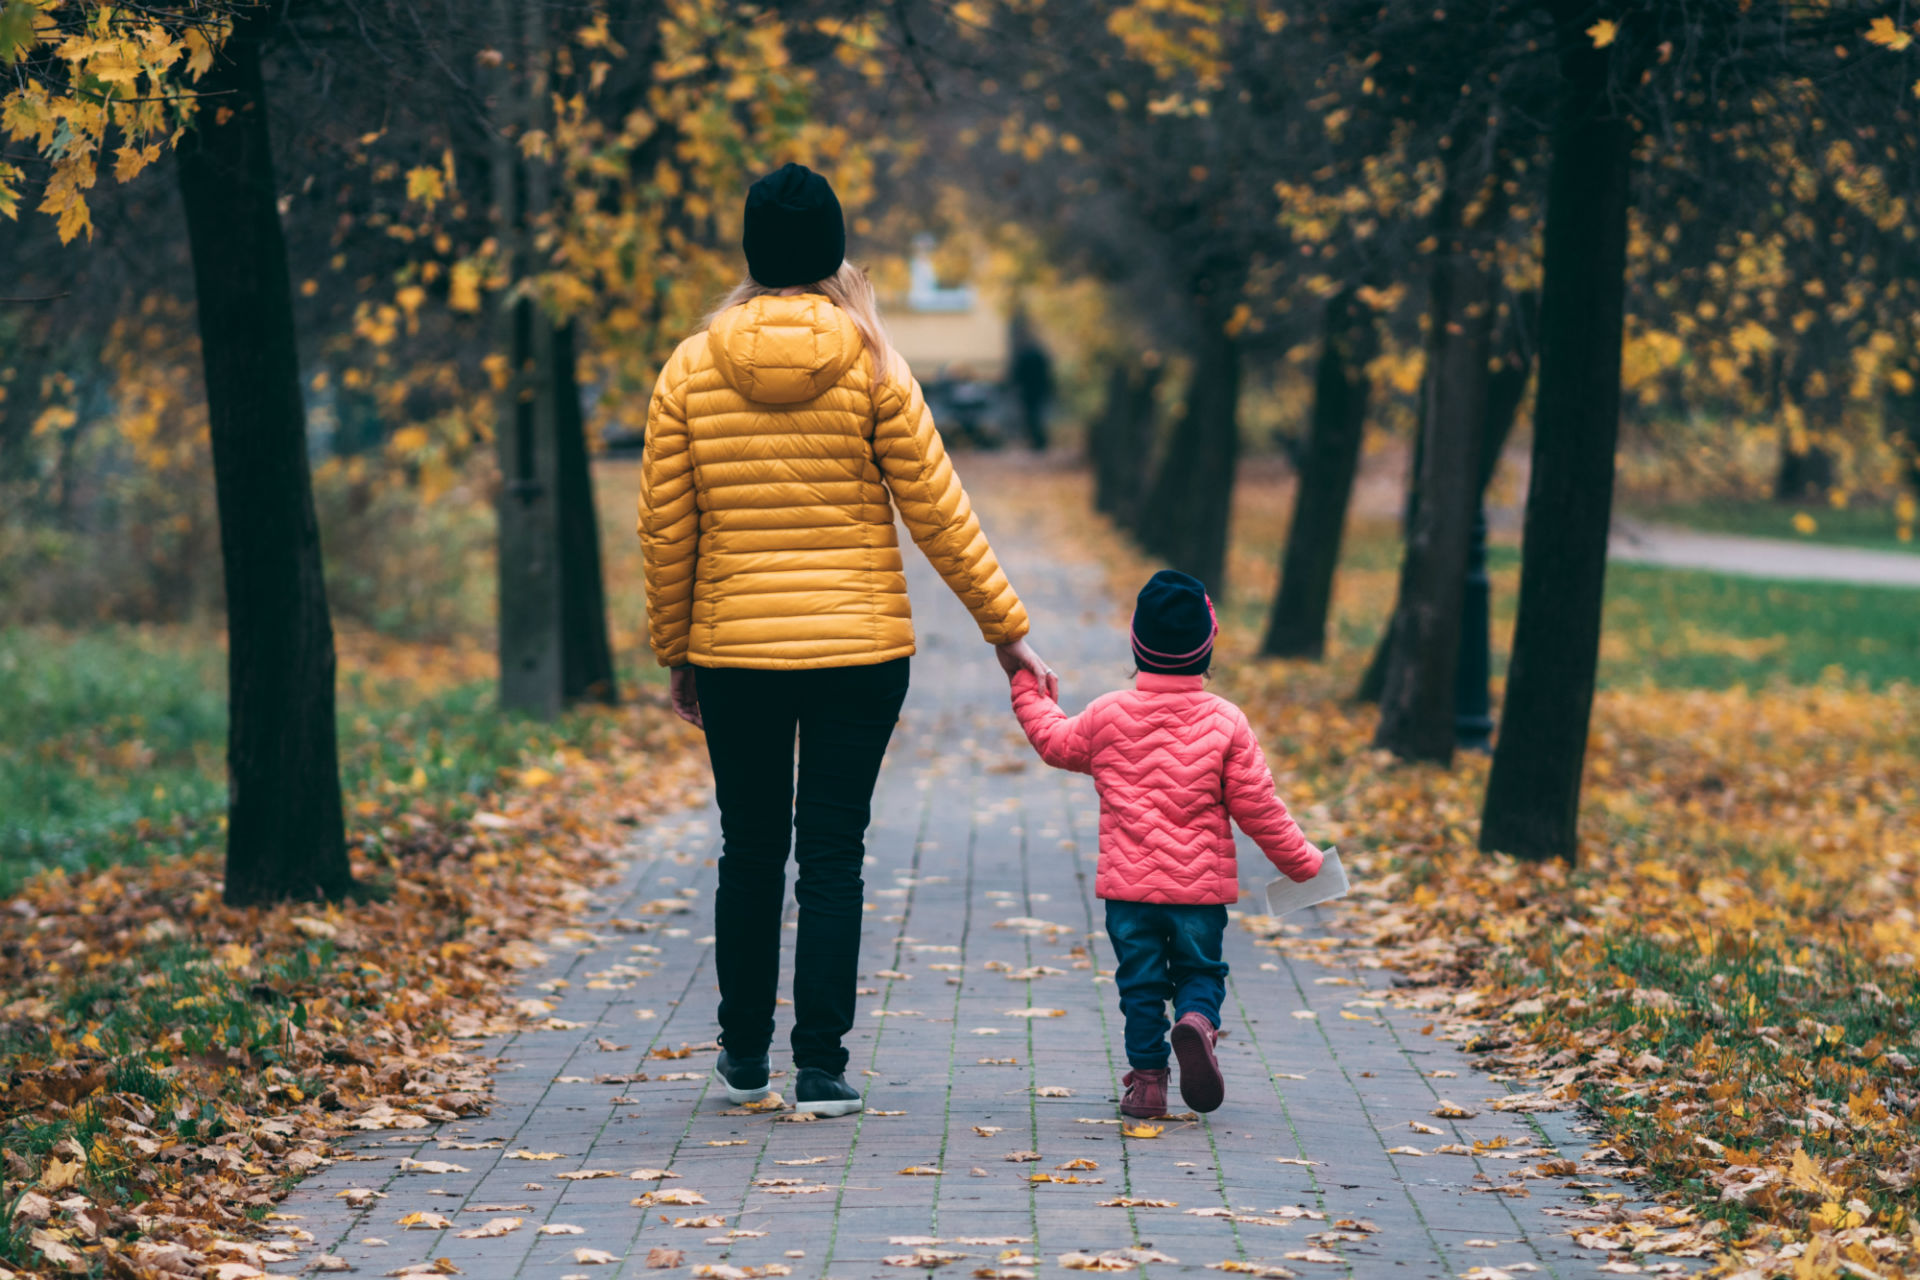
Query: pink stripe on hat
[(1179, 658)]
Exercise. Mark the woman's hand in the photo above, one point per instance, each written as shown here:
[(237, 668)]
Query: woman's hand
[(686, 696), (1019, 656)]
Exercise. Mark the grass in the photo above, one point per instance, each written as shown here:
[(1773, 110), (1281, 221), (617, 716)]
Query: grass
[(112, 743), (1875, 527), (1672, 628)]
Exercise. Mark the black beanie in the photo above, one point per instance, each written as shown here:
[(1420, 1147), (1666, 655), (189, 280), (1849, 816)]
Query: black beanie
[(1173, 625), (794, 231)]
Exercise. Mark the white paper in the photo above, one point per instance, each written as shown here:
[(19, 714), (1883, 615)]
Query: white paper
[(1284, 895)]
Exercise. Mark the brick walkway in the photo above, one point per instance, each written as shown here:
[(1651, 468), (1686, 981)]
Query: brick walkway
[(980, 912)]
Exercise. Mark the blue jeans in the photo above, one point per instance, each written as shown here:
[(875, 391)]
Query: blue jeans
[(1166, 951)]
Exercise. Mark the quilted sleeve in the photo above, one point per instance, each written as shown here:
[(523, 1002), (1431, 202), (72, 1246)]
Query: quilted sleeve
[(1062, 741), (927, 490), (1258, 811), (669, 518)]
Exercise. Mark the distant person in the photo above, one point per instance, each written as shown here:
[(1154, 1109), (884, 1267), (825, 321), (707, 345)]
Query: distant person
[(1172, 763), (1032, 377), (780, 441)]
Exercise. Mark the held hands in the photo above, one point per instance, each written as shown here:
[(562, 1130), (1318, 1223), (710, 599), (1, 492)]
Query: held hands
[(1019, 656), (686, 696)]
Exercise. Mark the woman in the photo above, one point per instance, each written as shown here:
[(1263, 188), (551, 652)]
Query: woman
[(775, 592)]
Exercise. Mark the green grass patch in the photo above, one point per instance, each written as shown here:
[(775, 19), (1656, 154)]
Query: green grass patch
[(1875, 526), (113, 745)]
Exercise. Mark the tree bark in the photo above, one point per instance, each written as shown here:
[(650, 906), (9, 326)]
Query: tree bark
[(587, 672), (1417, 698), (1506, 388), (1533, 792), (1105, 435), (1297, 627), (286, 835), (532, 659), (1187, 513)]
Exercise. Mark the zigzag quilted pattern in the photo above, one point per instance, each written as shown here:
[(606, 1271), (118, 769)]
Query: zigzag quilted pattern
[(1173, 763), (772, 469)]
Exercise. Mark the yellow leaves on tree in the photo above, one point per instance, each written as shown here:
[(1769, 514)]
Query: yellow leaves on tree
[(1603, 33), (85, 71)]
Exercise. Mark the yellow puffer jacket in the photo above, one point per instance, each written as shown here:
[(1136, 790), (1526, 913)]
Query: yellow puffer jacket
[(764, 516)]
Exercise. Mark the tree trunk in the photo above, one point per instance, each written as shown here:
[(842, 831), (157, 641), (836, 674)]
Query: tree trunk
[(1506, 388), (1533, 792), (532, 660), (1298, 625), (1804, 475), (1186, 516), (1105, 435), (1416, 700), (286, 836), (1139, 424), (586, 652), (1373, 681)]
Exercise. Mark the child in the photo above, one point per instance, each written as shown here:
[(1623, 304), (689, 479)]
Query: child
[(1171, 762)]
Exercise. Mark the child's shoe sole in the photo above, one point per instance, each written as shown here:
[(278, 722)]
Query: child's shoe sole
[(1201, 1085), (738, 1096)]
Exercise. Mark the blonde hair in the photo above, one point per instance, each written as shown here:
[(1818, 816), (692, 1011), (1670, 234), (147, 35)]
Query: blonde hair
[(848, 289)]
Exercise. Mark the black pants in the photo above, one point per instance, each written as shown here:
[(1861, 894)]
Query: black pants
[(843, 717)]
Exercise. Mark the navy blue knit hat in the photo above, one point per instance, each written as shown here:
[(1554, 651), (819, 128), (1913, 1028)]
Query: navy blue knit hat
[(795, 233), (1173, 625)]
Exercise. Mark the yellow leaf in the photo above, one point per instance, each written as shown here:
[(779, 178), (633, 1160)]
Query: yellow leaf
[(426, 185), (1603, 33), (1804, 523), (1142, 1130), (1883, 32)]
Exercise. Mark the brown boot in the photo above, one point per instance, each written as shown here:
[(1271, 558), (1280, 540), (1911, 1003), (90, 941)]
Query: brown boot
[(1201, 1086), (1146, 1095)]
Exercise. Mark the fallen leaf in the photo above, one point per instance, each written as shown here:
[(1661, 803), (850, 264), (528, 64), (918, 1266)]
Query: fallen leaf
[(426, 1220), (489, 1229), (562, 1229), (594, 1257), (659, 1258), (1142, 1129), (921, 1171), (409, 1165)]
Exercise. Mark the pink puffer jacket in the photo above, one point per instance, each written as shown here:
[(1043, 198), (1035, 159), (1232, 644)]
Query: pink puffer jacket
[(1171, 762)]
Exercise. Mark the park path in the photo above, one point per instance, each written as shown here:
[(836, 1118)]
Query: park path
[(980, 913), (1675, 548)]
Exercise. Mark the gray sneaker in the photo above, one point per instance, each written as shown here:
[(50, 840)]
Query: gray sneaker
[(744, 1078)]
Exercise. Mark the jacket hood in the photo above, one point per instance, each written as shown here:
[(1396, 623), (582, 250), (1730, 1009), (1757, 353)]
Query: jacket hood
[(779, 349)]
